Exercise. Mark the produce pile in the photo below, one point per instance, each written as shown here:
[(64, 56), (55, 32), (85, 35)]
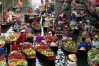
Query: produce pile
[(93, 56), (2, 61), (16, 59), (45, 50), (12, 37), (70, 45), (28, 50), (74, 25)]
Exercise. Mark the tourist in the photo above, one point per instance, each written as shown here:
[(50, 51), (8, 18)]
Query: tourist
[(84, 44), (72, 60), (95, 42)]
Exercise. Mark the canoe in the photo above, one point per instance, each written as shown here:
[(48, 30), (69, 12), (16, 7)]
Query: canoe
[(28, 51), (6, 24), (69, 46), (54, 47), (44, 52)]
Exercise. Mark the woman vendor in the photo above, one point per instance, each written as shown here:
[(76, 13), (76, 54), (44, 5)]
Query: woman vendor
[(14, 46), (95, 42)]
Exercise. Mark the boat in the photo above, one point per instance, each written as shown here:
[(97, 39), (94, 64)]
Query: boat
[(69, 46), (28, 50), (54, 47), (44, 52), (6, 24)]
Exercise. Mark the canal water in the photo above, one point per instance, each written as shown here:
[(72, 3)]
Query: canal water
[(60, 57)]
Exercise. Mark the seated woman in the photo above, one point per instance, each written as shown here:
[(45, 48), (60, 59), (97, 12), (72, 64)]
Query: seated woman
[(95, 42)]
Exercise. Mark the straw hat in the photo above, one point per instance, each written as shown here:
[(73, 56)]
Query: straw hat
[(23, 30), (96, 36), (72, 57), (82, 48)]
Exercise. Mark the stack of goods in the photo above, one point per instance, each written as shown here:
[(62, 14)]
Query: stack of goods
[(45, 50), (74, 25), (2, 41), (29, 35), (12, 37), (93, 56), (28, 50), (70, 46), (16, 59), (2, 61)]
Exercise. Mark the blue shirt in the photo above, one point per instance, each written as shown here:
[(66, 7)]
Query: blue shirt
[(1, 51), (37, 11), (85, 45)]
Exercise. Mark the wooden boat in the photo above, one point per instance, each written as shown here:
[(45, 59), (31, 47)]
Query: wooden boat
[(44, 52), (28, 51), (54, 47), (6, 24), (69, 46)]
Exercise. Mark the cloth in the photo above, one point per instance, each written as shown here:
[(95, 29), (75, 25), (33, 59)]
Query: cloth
[(85, 45), (15, 47), (95, 43), (70, 63), (28, 30), (39, 38), (1, 51)]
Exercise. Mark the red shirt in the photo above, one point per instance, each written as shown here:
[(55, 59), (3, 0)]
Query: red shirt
[(6, 16), (22, 38), (15, 47)]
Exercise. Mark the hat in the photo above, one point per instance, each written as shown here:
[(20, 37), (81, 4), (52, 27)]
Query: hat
[(82, 48), (96, 36), (23, 30), (72, 57), (49, 32)]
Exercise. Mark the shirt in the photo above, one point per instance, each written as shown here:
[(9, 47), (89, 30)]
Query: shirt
[(95, 43), (15, 47), (39, 38), (70, 63), (37, 11), (16, 26), (1, 51), (28, 30), (85, 45)]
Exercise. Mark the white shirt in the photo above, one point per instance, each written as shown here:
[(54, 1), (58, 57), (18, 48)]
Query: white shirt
[(70, 63)]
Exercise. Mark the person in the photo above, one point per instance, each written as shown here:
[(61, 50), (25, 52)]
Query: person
[(37, 11), (52, 38), (71, 60), (6, 16), (95, 42), (15, 46), (28, 29), (16, 27), (85, 33), (73, 16), (30, 10), (49, 10), (20, 4), (22, 37), (18, 15), (39, 38), (84, 44)]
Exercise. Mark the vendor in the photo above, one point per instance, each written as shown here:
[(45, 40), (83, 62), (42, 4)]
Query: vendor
[(22, 37), (39, 38), (15, 46), (52, 38), (84, 44), (28, 29), (72, 60), (95, 42)]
